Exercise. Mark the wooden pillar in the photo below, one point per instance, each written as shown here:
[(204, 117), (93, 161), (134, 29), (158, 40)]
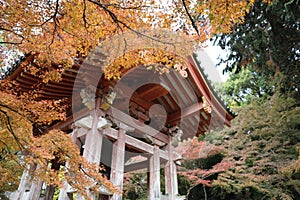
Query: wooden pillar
[(171, 182), (65, 193), (35, 190), (92, 148), (154, 175), (25, 184), (28, 189), (117, 163), (93, 142)]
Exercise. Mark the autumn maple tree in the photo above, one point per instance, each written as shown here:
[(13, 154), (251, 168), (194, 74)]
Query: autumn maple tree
[(59, 33)]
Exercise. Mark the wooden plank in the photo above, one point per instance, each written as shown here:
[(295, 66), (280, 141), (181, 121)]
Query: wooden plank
[(117, 164), (154, 178)]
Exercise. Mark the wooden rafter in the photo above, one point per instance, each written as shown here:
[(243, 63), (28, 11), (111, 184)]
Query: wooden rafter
[(185, 112)]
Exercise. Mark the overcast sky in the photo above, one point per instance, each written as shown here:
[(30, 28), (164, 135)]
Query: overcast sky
[(209, 59)]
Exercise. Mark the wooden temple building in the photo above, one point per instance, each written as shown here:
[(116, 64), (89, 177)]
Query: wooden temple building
[(142, 114)]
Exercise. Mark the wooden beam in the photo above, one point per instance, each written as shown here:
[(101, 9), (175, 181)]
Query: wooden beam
[(28, 76), (53, 94), (59, 91), (152, 92), (130, 141), (204, 90), (185, 112), (176, 86), (136, 166), (130, 121), (58, 86), (110, 133), (65, 83), (138, 144), (124, 91), (24, 83), (175, 97), (164, 154), (221, 116), (163, 102)]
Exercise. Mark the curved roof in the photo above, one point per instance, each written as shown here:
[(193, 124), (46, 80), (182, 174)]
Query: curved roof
[(163, 101)]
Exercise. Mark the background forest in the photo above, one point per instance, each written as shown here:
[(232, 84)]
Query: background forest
[(258, 157)]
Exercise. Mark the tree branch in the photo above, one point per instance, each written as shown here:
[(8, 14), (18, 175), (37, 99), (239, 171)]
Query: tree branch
[(10, 129), (83, 14), (126, 8), (13, 110), (119, 22), (14, 43), (190, 17), (54, 21), (11, 31)]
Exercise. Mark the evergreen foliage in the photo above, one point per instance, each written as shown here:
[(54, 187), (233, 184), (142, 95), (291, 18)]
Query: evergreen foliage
[(267, 44), (263, 142)]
